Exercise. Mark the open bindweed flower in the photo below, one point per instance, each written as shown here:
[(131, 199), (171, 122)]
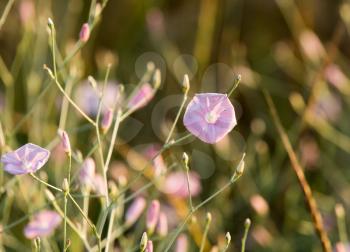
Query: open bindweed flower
[(43, 224), (176, 184), (141, 97), (210, 116), (26, 159)]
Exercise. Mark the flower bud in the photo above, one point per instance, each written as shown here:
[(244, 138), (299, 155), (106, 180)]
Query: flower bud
[(65, 142), (247, 223), (157, 79), (143, 242), (181, 243), (107, 120), (149, 247), (186, 84), (134, 211), (152, 216), (228, 238), (65, 186), (84, 34), (162, 226), (185, 159)]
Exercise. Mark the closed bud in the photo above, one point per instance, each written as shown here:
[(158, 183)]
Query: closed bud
[(84, 34), (143, 242), (157, 79), (107, 120), (37, 243), (134, 211), (240, 168), (65, 142), (339, 210), (50, 23), (162, 226), (228, 238), (152, 216), (65, 185), (186, 84), (185, 159), (149, 247), (49, 195), (208, 218), (247, 223)]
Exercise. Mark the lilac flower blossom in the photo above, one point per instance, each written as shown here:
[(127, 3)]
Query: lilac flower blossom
[(135, 210), (152, 216), (141, 97), (87, 97), (157, 160), (26, 159), (210, 116), (176, 184), (43, 224)]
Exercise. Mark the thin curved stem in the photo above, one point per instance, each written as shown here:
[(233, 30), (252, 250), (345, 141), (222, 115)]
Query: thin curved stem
[(45, 183)]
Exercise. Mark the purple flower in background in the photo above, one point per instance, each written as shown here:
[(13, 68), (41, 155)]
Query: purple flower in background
[(135, 210), (98, 185), (87, 172), (87, 97), (176, 184), (342, 247), (43, 224), (26, 159), (65, 141), (141, 97), (157, 160), (181, 243), (210, 116), (152, 216)]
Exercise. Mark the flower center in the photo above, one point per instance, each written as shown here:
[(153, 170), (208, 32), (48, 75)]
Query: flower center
[(211, 117)]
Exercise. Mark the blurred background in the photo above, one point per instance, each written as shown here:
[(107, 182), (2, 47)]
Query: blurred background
[(297, 50)]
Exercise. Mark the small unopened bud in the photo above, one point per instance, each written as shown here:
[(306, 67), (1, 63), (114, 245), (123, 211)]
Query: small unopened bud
[(157, 79), (185, 159), (2, 138), (339, 210), (228, 238), (65, 142), (208, 218), (162, 226), (143, 242), (247, 223), (149, 247), (65, 185), (84, 34), (186, 84), (107, 120), (134, 211), (240, 168), (152, 216), (50, 23)]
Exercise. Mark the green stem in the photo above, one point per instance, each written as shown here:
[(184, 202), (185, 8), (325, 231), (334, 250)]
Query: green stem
[(45, 183)]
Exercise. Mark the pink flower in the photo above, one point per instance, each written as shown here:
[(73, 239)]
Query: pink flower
[(342, 247), (87, 172), (162, 226), (65, 141), (141, 97), (26, 11), (135, 210), (43, 224), (27, 159), (176, 184), (84, 34), (152, 216), (181, 243), (107, 120), (149, 247), (210, 116)]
